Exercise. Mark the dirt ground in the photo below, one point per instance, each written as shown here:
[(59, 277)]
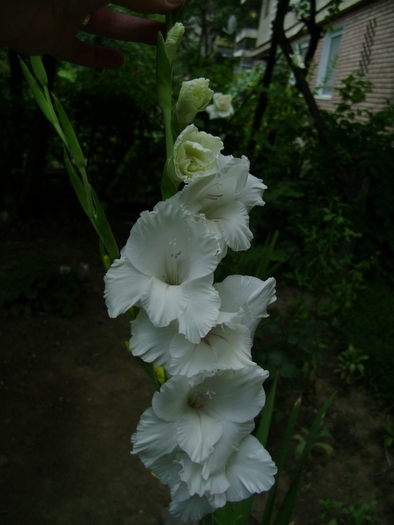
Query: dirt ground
[(71, 396)]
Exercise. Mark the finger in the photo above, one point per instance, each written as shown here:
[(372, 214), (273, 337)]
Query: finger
[(111, 24), (88, 55), (150, 6)]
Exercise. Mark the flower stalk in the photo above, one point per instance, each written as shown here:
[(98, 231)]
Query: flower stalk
[(192, 335)]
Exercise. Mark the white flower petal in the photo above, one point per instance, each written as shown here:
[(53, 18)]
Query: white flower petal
[(250, 470), (238, 394), (171, 402), (191, 474), (164, 303), (197, 433), (160, 243), (203, 253), (248, 293), (222, 348), (124, 286), (202, 310), (233, 433), (195, 154), (193, 508), (149, 342), (154, 438), (167, 468), (219, 188), (233, 221), (252, 193)]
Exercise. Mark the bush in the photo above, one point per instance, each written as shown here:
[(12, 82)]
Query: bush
[(43, 286), (370, 328)]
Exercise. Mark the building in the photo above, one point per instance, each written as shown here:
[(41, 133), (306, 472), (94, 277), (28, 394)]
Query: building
[(359, 39)]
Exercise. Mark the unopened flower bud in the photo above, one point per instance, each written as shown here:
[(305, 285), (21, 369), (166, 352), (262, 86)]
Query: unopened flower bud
[(194, 96), (173, 40)]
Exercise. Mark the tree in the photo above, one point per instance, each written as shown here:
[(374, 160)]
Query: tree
[(306, 12)]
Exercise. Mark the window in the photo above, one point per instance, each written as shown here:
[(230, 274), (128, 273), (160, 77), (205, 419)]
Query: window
[(328, 62), (267, 8), (300, 49)]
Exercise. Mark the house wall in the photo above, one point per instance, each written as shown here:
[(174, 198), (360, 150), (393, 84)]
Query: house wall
[(380, 70), (356, 15), (291, 24)]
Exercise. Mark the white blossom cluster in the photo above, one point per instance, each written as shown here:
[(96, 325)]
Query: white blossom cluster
[(196, 437)]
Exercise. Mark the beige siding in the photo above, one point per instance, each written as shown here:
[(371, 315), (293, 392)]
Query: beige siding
[(381, 57)]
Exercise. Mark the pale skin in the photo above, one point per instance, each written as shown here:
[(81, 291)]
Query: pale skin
[(50, 27)]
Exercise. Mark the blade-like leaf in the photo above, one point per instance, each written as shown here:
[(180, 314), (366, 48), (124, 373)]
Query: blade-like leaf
[(71, 139), (266, 519), (266, 414), (76, 183), (39, 70), (104, 229), (38, 94), (244, 508), (286, 509)]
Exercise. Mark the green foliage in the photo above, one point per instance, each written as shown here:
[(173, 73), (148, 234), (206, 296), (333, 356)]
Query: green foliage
[(388, 434), (118, 127), (261, 260), (370, 328), (318, 444), (287, 344), (358, 514), (43, 286), (350, 364), (332, 205)]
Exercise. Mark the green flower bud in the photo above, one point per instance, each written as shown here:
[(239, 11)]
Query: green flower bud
[(173, 40), (194, 96)]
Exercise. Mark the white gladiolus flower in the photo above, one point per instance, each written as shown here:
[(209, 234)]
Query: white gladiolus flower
[(226, 346), (167, 268), (199, 414), (249, 470), (195, 155), (225, 199), (194, 97), (221, 107)]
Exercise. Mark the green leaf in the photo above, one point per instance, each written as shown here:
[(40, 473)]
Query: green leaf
[(72, 142), (243, 509), (39, 70), (266, 415), (104, 229), (266, 519), (38, 94), (284, 514), (77, 184), (163, 75)]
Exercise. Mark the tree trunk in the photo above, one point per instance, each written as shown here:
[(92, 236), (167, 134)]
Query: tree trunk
[(267, 78)]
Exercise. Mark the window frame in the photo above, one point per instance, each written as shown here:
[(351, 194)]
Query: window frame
[(325, 64)]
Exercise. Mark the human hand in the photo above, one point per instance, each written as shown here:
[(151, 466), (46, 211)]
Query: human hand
[(37, 27)]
